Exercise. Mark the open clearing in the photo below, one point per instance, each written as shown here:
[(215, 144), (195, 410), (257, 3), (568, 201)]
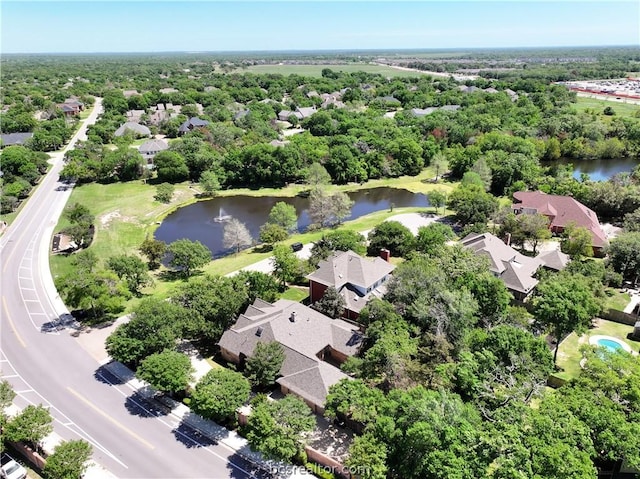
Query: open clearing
[(316, 70), (621, 109)]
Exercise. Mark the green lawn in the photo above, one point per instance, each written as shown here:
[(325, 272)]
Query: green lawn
[(295, 294), (569, 354), (616, 299), (621, 109), (316, 70)]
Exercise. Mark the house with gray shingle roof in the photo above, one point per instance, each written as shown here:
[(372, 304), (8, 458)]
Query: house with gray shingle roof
[(135, 128), (356, 279), (312, 342), (149, 149), (512, 267), (10, 139), (190, 124)]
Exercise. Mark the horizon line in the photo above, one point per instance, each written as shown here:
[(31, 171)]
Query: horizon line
[(323, 50)]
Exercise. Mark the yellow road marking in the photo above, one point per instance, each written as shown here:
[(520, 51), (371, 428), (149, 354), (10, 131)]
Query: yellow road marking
[(102, 413), (13, 326)]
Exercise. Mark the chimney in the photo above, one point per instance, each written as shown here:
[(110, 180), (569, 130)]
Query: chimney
[(385, 254), (292, 318), (507, 239)]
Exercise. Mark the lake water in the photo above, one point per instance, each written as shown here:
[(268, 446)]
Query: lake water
[(598, 170), (197, 221)]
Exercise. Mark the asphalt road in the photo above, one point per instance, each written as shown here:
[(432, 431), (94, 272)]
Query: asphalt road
[(131, 438)]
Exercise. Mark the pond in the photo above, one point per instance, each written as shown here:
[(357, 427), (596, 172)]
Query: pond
[(198, 221), (598, 170)]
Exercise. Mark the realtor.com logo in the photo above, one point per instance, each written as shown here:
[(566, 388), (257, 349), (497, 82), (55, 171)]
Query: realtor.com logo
[(285, 470)]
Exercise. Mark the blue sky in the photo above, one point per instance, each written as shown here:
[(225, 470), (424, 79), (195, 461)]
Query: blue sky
[(157, 26)]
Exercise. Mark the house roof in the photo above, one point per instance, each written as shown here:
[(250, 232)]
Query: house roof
[(304, 333), (306, 111), (561, 210), (513, 268), (554, 259), (153, 146), (423, 111), (347, 267), (134, 127), (9, 139)]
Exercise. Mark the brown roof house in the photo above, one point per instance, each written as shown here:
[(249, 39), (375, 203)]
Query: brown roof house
[(513, 268), (71, 106), (314, 345), (561, 211), (356, 279)]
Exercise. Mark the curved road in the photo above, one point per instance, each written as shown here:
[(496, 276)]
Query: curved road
[(130, 438)]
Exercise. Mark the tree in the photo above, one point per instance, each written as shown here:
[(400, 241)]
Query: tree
[(259, 285), (367, 457), (437, 199), (576, 242), (317, 176), (263, 367), (431, 237), (154, 327), (188, 255), (271, 233), (354, 401), (6, 398), (632, 221), (167, 371), (331, 304), (132, 269), (68, 461), (219, 393), (171, 167), (277, 429), (31, 426), (236, 235), (624, 255), (284, 215), (286, 265), (472, 204), (154, 250), (164, 192), (534, 228), (328, 210), (212, 303), (81, 221), (391, 235), (337, 240), (440, 163), (564, 304), (209, 182)]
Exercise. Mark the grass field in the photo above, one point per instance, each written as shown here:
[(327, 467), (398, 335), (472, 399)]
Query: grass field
[(316, 70), (569, 354), (621, 109)]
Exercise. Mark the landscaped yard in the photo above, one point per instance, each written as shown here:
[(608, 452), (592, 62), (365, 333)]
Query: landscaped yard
[(569, 355), (616, 299)]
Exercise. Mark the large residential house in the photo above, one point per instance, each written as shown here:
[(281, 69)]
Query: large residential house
[(514, 269), (135, 128), (11, 139), (300, 113), (71, 106), (561, 211), (356, 279), (149, 149), (314, 346), (190, 124)]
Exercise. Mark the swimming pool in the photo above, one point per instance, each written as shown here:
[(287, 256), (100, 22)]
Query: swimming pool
[(609, 343)]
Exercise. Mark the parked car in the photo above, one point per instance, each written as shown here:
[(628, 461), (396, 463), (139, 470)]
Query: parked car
[(11, 469), (296, 246)]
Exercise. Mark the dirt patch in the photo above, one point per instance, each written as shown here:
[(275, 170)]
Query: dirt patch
[(105, 220)]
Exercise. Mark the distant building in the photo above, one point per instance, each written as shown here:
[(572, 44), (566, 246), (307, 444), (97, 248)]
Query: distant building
[(135, 128), (11, 139), (191, 124)]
